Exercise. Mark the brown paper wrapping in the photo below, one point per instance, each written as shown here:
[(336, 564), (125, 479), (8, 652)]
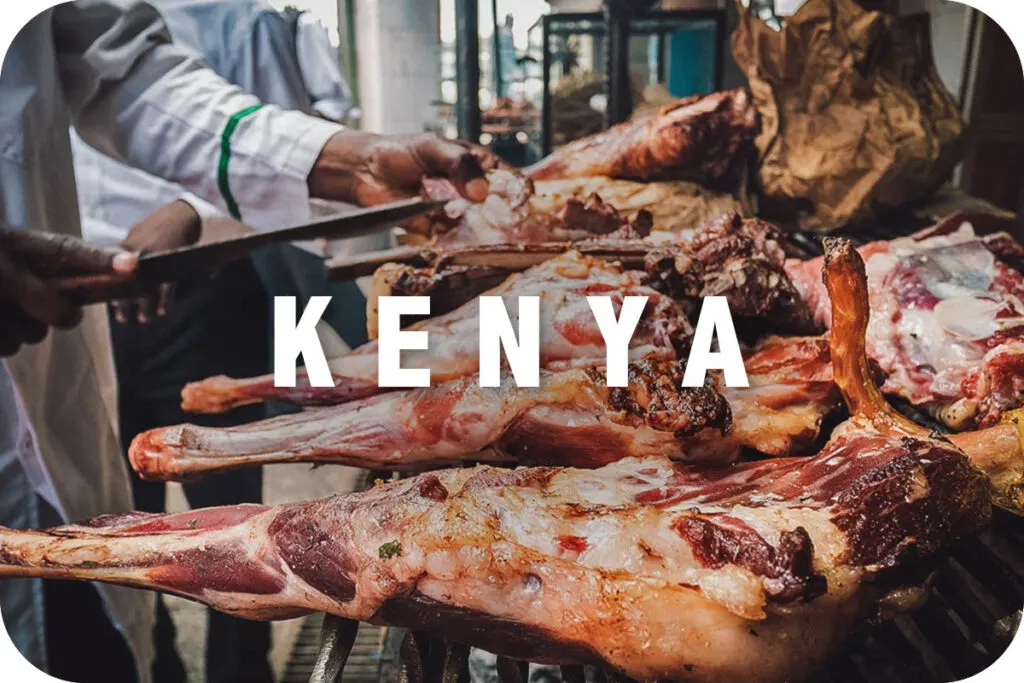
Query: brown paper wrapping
[(855, 117)]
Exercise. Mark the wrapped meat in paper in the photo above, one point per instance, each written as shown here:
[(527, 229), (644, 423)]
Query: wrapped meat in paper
[(855, 118)]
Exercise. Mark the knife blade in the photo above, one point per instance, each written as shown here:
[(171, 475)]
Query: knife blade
[(204, 260)]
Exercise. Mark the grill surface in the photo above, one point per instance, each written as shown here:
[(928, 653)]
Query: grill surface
[(972, 616)]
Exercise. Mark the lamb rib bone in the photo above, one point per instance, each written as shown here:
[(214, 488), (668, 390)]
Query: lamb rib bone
[(754, 572)]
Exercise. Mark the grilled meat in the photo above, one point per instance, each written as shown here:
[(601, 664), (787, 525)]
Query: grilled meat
[(701, 138), (570, 337), (448, 287), (754, 572), (508, 216), (743, 260), (573, 419), (947, 323), (674, 206)]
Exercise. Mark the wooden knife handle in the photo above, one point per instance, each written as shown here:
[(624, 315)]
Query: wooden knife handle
[(94, 289)]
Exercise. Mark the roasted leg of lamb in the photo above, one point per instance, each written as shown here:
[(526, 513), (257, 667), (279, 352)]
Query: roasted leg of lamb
[(574, 419), (701, 138), (570, 337), (947, 321), (754, 572)]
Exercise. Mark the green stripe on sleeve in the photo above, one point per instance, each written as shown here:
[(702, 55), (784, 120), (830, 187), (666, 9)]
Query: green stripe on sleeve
[(225, 158)]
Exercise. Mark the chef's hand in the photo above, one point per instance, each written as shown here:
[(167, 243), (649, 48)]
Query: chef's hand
[(170, 227), (30, 300), (368, 169)]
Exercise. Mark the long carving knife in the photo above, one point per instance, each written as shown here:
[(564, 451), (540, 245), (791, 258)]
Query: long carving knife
[(204, 260)]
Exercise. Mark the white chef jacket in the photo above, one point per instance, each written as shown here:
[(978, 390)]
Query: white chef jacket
[(318, 62), (107, 66), (251, 45)]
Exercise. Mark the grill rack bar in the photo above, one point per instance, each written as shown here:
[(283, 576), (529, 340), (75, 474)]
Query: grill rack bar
[(969, 621)]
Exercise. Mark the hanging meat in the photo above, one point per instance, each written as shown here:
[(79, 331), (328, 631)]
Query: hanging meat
[(755, 572)]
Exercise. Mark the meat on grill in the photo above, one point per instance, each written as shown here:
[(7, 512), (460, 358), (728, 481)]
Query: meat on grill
[(701, 138), (508, 215), (448, 287), (755, 572), (743, 260), (947, 323), (569, 334), (674, 206), (573, 419)]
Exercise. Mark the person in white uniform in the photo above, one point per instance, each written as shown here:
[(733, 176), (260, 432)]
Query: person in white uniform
[(285, 59), (108, 68)]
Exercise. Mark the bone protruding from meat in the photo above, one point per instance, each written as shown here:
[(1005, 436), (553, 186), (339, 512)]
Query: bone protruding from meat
[(847, 285), (999, 453)]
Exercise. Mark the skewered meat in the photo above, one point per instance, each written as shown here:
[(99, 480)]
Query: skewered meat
[(573, 419), (569, 337), (947, 322), (700, 138), (755, 572)]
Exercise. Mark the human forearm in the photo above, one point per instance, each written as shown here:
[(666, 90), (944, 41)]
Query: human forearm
[(140, 100)]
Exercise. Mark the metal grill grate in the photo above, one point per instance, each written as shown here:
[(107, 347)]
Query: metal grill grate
[(972, 616)]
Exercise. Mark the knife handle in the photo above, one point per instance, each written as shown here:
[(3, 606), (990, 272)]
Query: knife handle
[(94, 289)]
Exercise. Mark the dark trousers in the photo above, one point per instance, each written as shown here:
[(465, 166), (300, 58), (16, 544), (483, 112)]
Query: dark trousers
[(82, 644), (220, 327), (290, 271)]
